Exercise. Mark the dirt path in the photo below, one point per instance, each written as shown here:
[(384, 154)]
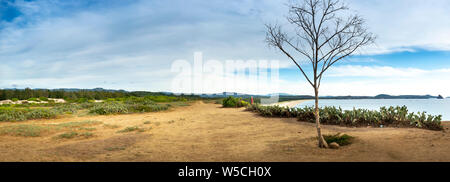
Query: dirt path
[(206, 132)]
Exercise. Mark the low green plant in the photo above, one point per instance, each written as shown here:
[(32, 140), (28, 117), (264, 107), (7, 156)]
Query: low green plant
[(33, 99), (22, 114), (342, 140), (109, 108), (77, 124), (25, 130), (111, 126), (43, 99), (126, 107), (68, 108), (392, 116), (114, 148), (234, 102), (131, 129), (73, 134)]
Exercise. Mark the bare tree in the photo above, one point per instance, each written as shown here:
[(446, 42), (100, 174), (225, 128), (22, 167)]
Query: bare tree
[(325, 33)]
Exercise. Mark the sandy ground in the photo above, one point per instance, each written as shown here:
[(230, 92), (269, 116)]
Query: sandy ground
[(207, 132)]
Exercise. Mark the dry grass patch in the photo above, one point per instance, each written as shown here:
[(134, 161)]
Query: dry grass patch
[(111, 126), (131, 129), (72, 134), (24, 130), (36, 130)]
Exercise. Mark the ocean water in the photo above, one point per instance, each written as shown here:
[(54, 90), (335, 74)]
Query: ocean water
[(431, 106)]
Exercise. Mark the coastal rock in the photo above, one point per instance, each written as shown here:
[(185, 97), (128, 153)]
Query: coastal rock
[(334, 145)]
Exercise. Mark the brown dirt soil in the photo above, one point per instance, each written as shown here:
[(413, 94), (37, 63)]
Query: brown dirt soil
[(207, 132)]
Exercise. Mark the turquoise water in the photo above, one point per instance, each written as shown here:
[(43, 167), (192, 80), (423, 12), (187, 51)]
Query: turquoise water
[(431, 106)]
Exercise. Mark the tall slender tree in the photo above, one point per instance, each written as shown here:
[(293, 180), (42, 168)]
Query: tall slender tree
[(325, 33)]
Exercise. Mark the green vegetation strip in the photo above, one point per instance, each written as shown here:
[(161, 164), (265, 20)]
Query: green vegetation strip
[(126, 105), (341, 139), (72, 134), (131, 129), (234, 102), (392, 116)]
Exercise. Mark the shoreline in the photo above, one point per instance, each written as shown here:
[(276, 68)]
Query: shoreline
[(291, 103)]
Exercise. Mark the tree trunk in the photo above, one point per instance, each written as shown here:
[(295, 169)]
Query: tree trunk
[(322, 142)]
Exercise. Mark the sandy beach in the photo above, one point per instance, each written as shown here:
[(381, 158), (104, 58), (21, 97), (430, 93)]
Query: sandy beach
[(208, 132), (289, 103)]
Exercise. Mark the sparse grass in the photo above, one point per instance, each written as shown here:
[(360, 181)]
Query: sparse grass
[(25, 130), (68, 135), (87, 129), (35, 130), (171, 121), (111, 126), (180, 104), (114, 148), (147, 122), (341, 139), (78, 124), (131, 129), (73, 134), (157, 123)]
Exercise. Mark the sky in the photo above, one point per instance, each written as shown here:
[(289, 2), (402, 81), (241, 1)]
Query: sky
[(133, 45)]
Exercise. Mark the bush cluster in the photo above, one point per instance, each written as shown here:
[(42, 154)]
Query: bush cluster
[(126, 107), (22, 114), (234, 102), (392, 116)]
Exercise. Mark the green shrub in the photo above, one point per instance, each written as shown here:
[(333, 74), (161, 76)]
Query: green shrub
[(131, 105), (131, 129), (110, 100), (109, 108), (234, 102), (43, 98), (68, 108), (33, 99), (15, 99), (40, 114), (22, 114), (82, 100), (342, 140), (73, 134), (23, 130)]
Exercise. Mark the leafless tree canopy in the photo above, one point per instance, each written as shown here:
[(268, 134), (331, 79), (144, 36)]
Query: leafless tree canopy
[(324, 35)]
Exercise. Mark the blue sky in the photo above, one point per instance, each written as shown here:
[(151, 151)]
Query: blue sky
[(131, 44)]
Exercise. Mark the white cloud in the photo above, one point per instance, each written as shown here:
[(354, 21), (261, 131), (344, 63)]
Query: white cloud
[(373, 80), (400, 24), (375, 71), (132, 45)]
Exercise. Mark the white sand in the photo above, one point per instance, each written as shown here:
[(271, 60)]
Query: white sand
[(292, 103)]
